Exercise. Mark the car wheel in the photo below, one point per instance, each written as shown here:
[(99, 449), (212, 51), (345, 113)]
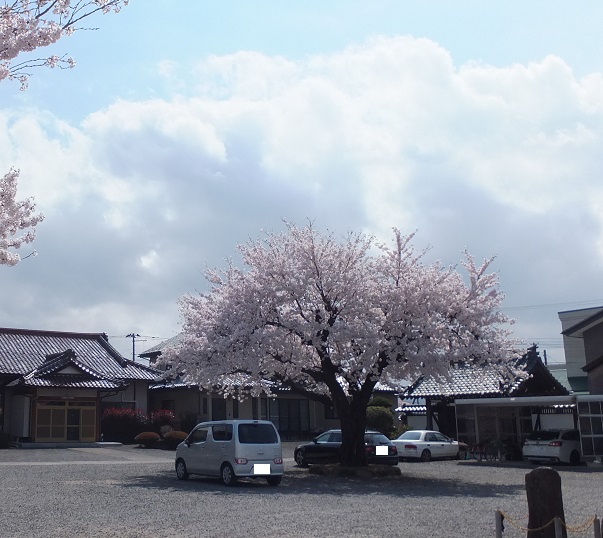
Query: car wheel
[(426, 455), (574, 458), (227, 475), (300, 459), (461, 455), (274, 480), (181, 471)]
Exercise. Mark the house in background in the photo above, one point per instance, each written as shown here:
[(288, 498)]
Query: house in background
[(54, 386), (583, 345), (295, 417), (476, 404), (580, 329)]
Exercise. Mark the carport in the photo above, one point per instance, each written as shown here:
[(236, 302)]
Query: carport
[(509, 420)]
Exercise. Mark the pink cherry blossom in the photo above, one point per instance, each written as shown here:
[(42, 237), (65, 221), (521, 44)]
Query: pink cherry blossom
[(15, 218), (329, 318), (27, 25)]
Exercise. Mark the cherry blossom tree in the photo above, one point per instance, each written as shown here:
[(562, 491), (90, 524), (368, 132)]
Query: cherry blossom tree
[(27, 25), (330, 318), (15, 218)]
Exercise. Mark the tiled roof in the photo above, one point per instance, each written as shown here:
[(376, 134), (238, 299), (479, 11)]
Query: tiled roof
[(156, 350), (70, 381), (485, 381), (23, 351)]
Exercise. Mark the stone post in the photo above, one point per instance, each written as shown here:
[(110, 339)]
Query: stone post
[(543, 488)]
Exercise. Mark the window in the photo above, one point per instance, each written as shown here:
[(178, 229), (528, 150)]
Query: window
[(235, 408), (168, 405), (261, 434), (222, 432), (199, 435)]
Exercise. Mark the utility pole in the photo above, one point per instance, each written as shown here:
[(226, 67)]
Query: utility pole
[(133, 337)]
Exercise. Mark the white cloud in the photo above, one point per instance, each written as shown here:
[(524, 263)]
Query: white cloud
[(387, 133)]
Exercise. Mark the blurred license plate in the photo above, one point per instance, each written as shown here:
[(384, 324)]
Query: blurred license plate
[(261, 468), (381, 450)]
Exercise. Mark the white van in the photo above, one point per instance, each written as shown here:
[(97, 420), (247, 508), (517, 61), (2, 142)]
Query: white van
[(232, 449)]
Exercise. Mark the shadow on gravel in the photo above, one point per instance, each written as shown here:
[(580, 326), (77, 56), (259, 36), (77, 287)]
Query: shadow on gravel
[(303, 483)]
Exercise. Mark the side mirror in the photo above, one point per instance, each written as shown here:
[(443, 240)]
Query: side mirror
[(315, 440)]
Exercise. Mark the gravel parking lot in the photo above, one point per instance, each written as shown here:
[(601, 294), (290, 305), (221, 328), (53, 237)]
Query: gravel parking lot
[(131, 492)]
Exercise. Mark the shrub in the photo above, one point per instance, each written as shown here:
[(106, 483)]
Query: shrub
[(164, 429), (174, 438), (380, 401), (122, 425), (147, 439), (380, 419), (162, 417), (397, 432)]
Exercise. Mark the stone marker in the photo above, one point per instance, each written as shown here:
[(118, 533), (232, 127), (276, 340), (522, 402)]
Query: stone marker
[(543, 488)]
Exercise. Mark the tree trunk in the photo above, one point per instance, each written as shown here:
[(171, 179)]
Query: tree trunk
[(353, 423)]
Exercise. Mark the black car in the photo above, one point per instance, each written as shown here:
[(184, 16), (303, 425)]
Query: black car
[(325, 449)]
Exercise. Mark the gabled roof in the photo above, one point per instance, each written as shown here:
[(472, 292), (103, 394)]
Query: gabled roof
[(66, 371), (24, 351), (533, 379)]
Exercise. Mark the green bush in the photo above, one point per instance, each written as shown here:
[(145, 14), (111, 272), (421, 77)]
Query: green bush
[(5, 440), (397, 432), (380, 401), (147, 439), (380, 419), (174, 438)]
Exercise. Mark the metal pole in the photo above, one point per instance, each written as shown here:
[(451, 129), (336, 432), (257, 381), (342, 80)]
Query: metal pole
[(558, 528), (597, 525)]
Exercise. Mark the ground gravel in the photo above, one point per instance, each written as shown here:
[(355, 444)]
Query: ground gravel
[(131, 492)]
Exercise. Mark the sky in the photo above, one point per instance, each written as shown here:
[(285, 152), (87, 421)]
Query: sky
[(187, 128)]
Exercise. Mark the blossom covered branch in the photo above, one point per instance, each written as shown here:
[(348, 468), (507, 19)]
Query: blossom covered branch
[(26, 25), (15, 218)]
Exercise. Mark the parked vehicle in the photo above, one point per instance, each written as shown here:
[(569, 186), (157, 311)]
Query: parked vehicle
[(426, 445), (553, 446), (326, 449), (232, 449)]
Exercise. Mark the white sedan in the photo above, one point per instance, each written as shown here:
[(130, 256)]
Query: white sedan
[(425, 445)]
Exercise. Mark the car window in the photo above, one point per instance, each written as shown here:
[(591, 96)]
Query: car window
[(410, 436), (222, 432), (441, 437), (430, 437), (259, 434), (335, 437), (199, 435), (323, 438), (572, 435), (543, 435), (376, 439)]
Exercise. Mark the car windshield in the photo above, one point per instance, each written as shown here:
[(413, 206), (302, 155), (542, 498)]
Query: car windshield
[(544, 435), (410, 436), (257, 434)]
